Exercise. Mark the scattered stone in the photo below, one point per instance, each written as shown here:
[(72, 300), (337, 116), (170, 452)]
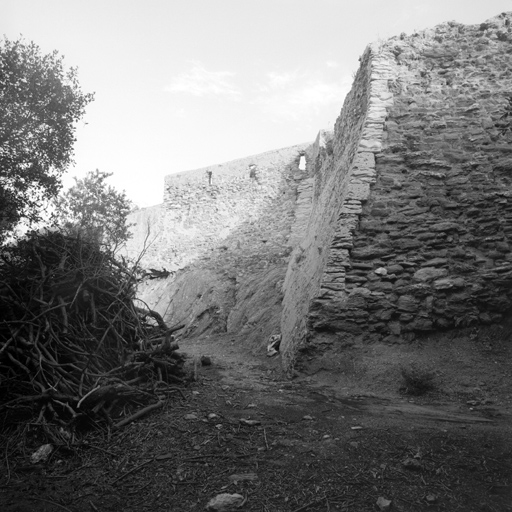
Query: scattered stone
[(431, 498), (273, 344), (412, 464), (41, 454), (225, 502), (357, 428), (250, 423), (383, 504), (212, 416), (191, 416)]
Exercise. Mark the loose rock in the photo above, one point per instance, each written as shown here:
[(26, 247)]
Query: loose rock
[(383, 504), (225, 502)]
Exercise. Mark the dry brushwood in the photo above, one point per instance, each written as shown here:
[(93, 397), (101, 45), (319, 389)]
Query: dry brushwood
[(73, 346)]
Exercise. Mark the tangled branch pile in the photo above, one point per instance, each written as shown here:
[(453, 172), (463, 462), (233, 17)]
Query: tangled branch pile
[(69, 334)]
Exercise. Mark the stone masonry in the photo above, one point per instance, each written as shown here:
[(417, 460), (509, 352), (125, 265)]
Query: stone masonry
[(411, 216), (220, 205), (399, 225)]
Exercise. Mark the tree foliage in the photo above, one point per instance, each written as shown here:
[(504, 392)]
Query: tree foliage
[(95, 210), (40, 104)]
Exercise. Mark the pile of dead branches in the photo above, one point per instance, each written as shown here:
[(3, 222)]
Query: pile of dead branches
[(74, 348)]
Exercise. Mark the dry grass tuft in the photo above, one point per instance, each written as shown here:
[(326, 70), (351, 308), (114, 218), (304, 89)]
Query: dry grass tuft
[(418, 379)]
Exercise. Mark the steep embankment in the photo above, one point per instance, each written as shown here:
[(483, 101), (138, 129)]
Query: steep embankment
[(412, 218)]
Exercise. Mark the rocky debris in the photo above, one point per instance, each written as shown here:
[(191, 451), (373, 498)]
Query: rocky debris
[(431, 499), (225, 502), (41, 454), (273, 344), (250, 423), (412, 464), (383, 504)]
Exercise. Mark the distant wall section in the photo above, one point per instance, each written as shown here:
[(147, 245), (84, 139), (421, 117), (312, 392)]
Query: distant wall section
[(228, 203)]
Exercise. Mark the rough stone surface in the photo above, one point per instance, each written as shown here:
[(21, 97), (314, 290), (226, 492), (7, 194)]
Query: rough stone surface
[(227, 243), (202, 212), (427, 128), (399, 224)]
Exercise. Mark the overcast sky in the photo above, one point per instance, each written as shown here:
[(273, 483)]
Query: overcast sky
[(181, 84)]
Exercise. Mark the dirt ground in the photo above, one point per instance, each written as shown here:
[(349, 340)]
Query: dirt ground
[(339, 436)]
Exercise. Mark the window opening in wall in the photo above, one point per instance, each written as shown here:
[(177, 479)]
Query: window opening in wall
[(302, 162)]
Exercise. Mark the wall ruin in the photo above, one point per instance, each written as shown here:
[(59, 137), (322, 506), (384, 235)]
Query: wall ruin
[(399, 225), (219, 205), (412, 211)]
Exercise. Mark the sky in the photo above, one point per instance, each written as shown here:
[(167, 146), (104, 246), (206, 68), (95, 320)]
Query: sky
[(182, 84)]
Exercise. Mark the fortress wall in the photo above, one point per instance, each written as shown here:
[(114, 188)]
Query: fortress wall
[(234, 169), (399, 225), (426, 246), (330, 166), (198, 217)]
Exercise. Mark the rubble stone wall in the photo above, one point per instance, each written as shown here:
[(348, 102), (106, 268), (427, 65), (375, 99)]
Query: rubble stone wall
[(330, 165), (206, 208), (420, 238)]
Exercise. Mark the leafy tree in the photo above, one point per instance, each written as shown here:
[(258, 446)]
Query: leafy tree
[(40, 104), (95, 210)]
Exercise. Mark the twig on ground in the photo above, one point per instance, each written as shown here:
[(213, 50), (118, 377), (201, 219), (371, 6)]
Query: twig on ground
[(319, 500), (136, 468), (138, 414), (37, 498)]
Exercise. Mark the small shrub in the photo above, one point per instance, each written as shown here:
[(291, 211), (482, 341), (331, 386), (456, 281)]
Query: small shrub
[(417, 379)]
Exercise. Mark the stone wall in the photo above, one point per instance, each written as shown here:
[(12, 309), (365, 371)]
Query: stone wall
[(230, 206), (412, 213), (398, 226), (331, 166), (229, 241)]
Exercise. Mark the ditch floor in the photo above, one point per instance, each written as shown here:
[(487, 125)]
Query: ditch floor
[(307, 444)]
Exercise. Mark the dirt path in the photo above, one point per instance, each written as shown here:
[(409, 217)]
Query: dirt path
[(290, 446), (256, 373)]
